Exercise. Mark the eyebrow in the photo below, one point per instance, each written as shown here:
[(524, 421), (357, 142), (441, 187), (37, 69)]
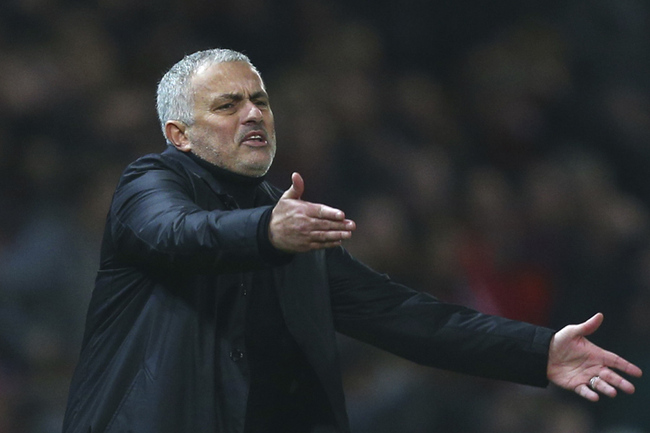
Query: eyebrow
[(239, 97)]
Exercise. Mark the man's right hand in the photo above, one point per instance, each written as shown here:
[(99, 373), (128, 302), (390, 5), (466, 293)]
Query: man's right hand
[(298, 226)]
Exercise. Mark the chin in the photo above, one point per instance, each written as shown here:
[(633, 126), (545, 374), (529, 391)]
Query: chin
[(260, 173), (254, 171), (257, 170)]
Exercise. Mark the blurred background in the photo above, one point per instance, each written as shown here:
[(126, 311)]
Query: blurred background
[(493, 154)]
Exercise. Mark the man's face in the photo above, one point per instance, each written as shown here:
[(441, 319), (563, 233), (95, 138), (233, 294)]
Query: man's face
[(233, 122)]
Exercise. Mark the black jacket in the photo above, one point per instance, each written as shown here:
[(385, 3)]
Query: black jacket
[(152, 359)]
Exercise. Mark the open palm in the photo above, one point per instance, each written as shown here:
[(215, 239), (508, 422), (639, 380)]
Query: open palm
[(574, 361)]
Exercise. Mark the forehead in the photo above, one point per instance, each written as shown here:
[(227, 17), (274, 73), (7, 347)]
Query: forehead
[(227, 78)]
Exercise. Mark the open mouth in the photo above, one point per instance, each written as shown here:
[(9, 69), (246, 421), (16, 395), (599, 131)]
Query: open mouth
[(255, 138)]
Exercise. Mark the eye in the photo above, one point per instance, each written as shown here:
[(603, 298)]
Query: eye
[(226, 106)]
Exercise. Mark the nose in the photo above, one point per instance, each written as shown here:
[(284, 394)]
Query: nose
[(252, 113)]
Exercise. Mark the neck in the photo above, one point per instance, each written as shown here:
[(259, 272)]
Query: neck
[(225, 174), (240, 187)]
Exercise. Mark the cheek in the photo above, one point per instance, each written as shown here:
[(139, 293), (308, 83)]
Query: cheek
[(218, 135), (270, 121)]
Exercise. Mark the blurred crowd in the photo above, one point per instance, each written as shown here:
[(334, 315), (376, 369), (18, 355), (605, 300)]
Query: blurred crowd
[(494, 154)]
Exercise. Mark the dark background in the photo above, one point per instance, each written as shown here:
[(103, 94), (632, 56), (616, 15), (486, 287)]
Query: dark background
[(494, 154)]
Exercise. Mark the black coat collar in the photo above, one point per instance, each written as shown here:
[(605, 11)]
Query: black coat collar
[(270, 196)]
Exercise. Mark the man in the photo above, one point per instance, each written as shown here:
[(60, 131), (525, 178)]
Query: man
[(218, 297)]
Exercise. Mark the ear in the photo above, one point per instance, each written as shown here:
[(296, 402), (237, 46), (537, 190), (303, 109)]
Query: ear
[(175, 132)]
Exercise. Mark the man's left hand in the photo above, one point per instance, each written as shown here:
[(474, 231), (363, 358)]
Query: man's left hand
[(576, 364)]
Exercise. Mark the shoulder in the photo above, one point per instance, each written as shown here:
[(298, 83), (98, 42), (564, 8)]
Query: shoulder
[(151, 173), (166, 164)]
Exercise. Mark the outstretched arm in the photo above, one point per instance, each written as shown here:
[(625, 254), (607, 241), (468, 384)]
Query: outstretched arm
[(576, 364)]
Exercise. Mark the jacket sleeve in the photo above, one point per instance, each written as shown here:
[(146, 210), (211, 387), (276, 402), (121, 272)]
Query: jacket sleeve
[(370, 307), (153, 221)]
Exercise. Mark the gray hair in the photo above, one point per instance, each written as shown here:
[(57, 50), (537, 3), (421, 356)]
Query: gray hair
[(174, 98)]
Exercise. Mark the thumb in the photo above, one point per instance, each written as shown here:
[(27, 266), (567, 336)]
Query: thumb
[(591, 325), (296, 189)]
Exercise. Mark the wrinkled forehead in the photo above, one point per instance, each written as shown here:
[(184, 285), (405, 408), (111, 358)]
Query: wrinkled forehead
[(227, 77)]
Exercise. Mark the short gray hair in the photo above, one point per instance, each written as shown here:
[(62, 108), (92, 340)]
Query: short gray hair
[(174, 98)]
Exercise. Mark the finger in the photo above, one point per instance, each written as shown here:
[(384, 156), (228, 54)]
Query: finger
[(627, 367), (591, 325), (322, 211), (633, 370), (602, 386), (612, 380), (329, 236), (324, 245), (583, 390), (296, 189), (330, 225), (298, 183), (612, 360)]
